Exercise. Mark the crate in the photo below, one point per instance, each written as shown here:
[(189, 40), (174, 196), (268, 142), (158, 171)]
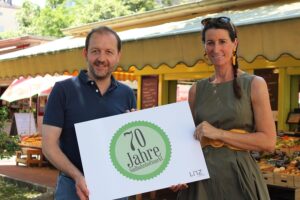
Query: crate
[(286, 150), (297, 181), (283, 193), (293, 149), (290, 150), (268, 177), (297, 194), (283, 180), (29, 156)]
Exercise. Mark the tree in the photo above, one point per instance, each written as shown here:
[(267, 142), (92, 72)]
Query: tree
[(26, 17), (8, 144), (55, 3), (60, 14), (53, 18), (88, 11), (138, 6), (9, 34), (47, 21)]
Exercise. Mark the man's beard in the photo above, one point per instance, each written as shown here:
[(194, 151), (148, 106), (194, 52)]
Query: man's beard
[(95, 75)]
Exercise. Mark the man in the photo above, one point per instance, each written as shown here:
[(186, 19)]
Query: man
[(91, 95)]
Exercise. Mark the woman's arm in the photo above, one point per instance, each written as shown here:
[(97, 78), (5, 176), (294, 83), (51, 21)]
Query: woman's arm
[(264, 139)]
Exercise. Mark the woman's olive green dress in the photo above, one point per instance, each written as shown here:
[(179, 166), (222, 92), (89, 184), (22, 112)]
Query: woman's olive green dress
[(234, 175)]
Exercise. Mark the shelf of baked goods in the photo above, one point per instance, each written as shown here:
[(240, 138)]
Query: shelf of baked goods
[(32, 140), (282, 168)]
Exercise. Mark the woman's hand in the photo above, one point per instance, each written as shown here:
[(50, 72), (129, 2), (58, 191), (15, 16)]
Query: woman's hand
[(178, 187), (205, 129)]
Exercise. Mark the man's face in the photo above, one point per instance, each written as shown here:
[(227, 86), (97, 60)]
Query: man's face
[(102, 55)]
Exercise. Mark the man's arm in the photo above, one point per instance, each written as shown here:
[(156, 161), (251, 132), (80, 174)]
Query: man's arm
[(52, 151)]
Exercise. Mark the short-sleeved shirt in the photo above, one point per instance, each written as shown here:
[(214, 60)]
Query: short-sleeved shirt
[(77, 100)]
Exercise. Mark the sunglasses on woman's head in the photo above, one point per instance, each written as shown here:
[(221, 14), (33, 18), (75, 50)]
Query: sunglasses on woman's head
[(224, 20)]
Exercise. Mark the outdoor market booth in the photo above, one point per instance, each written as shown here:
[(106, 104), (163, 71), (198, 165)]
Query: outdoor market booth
[(173, 51), (167, 52), (26, 121)]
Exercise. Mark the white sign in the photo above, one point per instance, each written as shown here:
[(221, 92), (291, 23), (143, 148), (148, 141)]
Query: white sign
[(25, 123), (141, 151)]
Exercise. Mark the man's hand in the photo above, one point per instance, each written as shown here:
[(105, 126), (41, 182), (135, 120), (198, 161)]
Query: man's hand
[(131, 110), (81, 188)]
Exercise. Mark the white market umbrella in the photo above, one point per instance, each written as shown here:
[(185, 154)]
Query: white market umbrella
[(23, 88)]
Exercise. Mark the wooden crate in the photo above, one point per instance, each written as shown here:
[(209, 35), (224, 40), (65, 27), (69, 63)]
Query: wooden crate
[(290, 150), (283, 180), (297, 181), (286, 150), (29, 156), (293, 149), (268, 177), (283, 193), (297, 194)]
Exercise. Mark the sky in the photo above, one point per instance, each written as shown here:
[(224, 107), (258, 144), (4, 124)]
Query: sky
[(38, 2)]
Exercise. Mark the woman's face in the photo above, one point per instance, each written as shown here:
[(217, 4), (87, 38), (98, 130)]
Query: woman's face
[(219, 47)]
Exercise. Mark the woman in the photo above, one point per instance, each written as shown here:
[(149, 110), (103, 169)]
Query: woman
[(233, 116)]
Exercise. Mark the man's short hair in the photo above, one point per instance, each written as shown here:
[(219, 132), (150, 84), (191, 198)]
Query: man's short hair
[(101, 30)]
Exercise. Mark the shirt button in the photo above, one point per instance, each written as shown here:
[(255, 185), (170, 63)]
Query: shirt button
[(97, 90), (92, 82)]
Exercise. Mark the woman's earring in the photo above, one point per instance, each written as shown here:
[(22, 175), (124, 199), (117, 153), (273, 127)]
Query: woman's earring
[(234, 58)]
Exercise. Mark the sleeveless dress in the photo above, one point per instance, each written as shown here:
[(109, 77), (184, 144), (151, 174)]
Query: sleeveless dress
[(234, 175)]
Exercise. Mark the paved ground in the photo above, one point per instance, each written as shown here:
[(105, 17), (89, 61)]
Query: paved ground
[(44, 176)]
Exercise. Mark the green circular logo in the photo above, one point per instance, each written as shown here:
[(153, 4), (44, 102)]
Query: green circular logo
[(140, 150)]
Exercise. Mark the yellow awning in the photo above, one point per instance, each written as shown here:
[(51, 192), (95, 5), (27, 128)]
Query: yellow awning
[(268, 31)]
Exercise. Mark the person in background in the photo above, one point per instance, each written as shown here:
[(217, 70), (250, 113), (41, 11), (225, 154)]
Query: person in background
[(93, 94), (232, 113)]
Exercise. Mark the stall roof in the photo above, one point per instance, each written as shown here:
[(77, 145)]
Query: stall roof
[(15, 44), (65, 43), (148, 46), (170, 14), (258, 15), (240, 18)]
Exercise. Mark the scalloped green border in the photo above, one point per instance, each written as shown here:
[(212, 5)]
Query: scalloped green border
[(126, 173)]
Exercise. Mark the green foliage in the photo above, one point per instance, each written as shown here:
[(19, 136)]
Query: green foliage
[(138, 6), (3, 117), (26, 18), (55, 3), (60, 14), (47, 21), (12, 191), (9, 34), (52, 21), (8, 144), (88, 11)]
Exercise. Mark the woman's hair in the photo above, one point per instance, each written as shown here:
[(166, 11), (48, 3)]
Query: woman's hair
[(226, 24)]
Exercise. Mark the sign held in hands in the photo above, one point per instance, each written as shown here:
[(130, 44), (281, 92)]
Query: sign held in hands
[(140, 151)]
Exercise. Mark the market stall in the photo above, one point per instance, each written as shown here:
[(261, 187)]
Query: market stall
[(281, 169)]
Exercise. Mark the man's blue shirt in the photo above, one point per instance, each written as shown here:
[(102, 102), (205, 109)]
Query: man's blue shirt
[(77, 100)]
